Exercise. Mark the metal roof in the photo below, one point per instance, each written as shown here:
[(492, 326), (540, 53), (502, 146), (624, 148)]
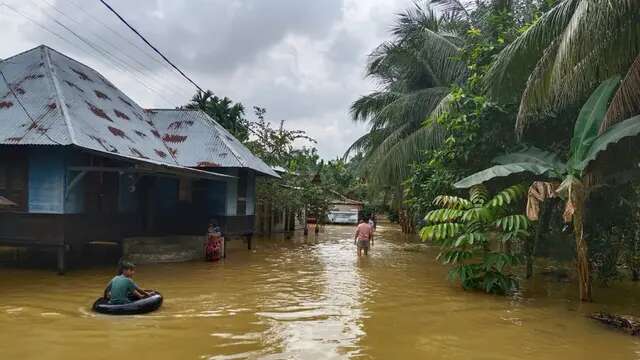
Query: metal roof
[(200, 142), (55, 100), (4, 202)]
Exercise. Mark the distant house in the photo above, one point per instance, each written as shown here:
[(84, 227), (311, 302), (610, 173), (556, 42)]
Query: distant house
[(83, 163), (343, 210)]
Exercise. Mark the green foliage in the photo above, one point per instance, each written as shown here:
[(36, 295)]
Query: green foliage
[(276, 146), (224, 111), (560, 57), (589, 120), (296, 190), (585, 147), (476, 236), (414, 70)]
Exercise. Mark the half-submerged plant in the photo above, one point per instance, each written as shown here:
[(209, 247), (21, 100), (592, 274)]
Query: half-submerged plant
[(575, 176), (477, 236)]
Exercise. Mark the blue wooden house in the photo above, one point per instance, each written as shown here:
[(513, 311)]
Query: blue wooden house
[(84, 163)]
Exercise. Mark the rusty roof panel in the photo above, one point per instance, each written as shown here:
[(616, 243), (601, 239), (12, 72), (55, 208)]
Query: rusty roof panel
[(54, 100), (199, 141), (29, 110)]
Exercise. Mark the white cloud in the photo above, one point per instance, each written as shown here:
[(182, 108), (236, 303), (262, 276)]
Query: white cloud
[(302, 60)]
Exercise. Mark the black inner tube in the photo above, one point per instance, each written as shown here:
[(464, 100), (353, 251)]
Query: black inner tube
[(141, 306)]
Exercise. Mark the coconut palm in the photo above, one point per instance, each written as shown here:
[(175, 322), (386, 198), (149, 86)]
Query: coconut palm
[(577, 176), (224, 111), (565, 54), (415, 72)]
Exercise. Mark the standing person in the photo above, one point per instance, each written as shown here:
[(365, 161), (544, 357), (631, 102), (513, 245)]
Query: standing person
[(363, 237), (372, 224), (213, 249)]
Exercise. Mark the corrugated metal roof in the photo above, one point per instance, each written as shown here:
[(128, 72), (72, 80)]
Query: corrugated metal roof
[(55, 100), (199, 141), (4, 202)]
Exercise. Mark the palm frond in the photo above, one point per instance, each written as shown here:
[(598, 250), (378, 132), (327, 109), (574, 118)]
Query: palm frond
[(509, 73), (441, 53), (368, 105), (625, 103), (446, 105), (393, 166), (413, 107), (574, 55)]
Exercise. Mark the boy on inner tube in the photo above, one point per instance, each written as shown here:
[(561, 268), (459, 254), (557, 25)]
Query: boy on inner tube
[(121, 289)]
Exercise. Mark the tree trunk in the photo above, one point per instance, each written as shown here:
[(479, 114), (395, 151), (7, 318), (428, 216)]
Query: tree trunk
[(582, 251)]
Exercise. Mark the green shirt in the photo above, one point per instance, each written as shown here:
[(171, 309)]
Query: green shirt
[(121, 288)]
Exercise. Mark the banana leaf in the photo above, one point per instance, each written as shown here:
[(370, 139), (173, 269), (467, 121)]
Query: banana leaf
[(532, 155), (502, 171), (619, 131), (589, 120)]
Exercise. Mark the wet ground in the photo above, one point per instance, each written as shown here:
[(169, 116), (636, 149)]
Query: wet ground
[(308, 299)]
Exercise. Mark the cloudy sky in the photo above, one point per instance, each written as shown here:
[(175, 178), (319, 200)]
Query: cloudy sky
[(303, 60)]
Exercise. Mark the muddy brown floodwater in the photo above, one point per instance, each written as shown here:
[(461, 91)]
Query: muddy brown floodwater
[(308, 299)]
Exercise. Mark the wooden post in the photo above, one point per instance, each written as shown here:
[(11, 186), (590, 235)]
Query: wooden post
[(61, 260)]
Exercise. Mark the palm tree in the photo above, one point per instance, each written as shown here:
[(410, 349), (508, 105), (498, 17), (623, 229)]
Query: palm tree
[(414, 72), (581, 173), (224, 111), (558, 61)]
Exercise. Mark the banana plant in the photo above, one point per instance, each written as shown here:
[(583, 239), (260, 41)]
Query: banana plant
[(476, 236), (574, 175)]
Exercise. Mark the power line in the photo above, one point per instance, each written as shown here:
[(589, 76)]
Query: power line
[(118, 63), (116, 49), (148, 43), (141, 49)]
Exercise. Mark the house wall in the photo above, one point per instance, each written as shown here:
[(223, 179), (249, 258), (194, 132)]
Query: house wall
[(251, 193), (128, 201), (74, 197), (232, 193), (101, 208), (216, 198), (46, 183)]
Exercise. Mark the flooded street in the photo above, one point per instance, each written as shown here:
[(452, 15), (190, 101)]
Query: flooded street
[(308, 299)]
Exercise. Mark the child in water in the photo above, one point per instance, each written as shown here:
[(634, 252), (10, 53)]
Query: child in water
[(213, 247)]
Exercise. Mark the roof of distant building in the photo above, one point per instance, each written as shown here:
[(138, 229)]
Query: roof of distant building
[(55, 100)]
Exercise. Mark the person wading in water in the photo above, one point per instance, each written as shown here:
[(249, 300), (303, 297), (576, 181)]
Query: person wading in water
[(214, 246), (363, 237)]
